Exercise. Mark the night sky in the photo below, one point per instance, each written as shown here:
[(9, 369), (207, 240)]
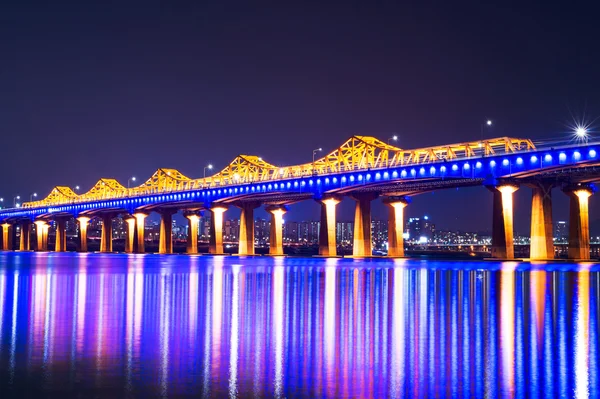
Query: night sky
[(113, 90)]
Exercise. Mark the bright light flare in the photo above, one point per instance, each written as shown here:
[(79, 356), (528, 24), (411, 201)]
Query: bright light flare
[(581, 131), (489, 122)]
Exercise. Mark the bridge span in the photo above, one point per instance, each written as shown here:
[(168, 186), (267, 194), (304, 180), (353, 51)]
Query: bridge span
[(362, 168)]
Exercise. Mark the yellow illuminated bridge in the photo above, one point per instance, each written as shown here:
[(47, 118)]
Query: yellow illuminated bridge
[(362, 168), (357, 153)]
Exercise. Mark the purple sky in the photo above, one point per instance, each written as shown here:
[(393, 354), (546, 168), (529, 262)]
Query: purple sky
[(107, 90)]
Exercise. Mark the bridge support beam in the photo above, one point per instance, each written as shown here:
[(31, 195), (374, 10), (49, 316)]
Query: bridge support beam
[(106, 236), (502, 221), (129, 234), (60, 244), (83, 226), (25, 242), (396, 225), (215, 244), (165, 243), (193, 218), (140, 229), (327, 227), (246, 246), (46, 229), (40, 229), (542, 243), (7, 237), (362, 224), (579, 227), (276, 230)]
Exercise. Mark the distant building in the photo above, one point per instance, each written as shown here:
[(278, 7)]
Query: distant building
[(420, 230), (231, 230), (379, 233), (204, 227), (308, 232), (261, 231), (345, 232), (561, 231), (290, 232)]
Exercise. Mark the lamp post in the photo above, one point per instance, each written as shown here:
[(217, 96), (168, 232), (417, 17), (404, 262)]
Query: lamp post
[(130, 180), (395, 138), (1, 202), (32, 196), (209, 167), (315, 152), (15, 199), (487, 123), (313, 162)]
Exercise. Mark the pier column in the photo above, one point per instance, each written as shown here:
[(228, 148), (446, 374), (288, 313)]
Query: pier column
[(362, 224), (46, 229), (83, 225), (542, 243), (502, 221), (215, 245), (129, 234), (140, 230), (327, 227), (7, 237), (40, 227), (165, 244), (276, 230), (193, 218), (60, 245), (396, 225), (579, 227), (25, 242), (246, 246), (106, 236)]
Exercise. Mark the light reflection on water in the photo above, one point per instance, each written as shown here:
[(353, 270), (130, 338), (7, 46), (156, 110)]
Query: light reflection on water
[(148, 325)]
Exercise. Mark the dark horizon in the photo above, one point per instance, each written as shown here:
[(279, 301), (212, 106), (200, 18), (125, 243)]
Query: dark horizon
[(94, 90)]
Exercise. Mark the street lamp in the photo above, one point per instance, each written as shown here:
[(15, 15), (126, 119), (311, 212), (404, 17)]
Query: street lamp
[(395, 138), (1, 201), (487, 123), (18, 197), (76, 188), (209, 167), (130, 180), (313, 163), (315, 153), (31, 197)]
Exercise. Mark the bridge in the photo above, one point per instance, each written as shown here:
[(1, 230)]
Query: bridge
[(362, 168)]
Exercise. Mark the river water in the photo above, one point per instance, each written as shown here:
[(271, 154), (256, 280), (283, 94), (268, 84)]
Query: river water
[(93, 325)]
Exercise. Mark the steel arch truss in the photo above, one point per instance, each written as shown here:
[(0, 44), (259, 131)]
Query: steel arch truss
[(357, 153)]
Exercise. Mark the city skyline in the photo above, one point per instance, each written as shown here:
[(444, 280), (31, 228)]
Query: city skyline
[(418, 230)]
